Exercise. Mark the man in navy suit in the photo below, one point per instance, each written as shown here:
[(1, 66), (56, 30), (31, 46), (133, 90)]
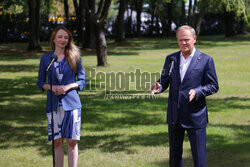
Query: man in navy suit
[(193, 78)]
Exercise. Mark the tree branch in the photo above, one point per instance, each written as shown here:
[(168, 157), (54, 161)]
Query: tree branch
[(76, 6), (105, 10), (100, 8)]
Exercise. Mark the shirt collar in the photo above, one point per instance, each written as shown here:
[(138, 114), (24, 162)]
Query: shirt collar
[(192, 54)]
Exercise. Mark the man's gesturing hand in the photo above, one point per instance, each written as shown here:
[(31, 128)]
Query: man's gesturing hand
[(192, 94), (155, 88)]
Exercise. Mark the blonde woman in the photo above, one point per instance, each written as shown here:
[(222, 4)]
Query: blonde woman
[(68, 76)]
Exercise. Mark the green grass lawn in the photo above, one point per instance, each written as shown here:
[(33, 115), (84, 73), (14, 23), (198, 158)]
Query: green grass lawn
[(125, 132)]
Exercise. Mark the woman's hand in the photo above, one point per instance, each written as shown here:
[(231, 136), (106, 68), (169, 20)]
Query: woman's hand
[(55, 89), (62, 89)]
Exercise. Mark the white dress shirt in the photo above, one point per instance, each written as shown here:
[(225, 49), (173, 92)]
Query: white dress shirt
[(184, 63)]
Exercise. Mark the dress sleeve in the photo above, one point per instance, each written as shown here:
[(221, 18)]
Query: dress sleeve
[(81, 77), (41, 74)]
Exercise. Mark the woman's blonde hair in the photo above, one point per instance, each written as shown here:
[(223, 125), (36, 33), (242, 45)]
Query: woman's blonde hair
[(71, 52)]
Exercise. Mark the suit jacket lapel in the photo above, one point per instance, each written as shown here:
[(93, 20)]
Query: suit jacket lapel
[(178, 68), (192, 64)]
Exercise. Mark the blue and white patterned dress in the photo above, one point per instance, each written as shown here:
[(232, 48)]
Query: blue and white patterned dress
[(67, 124)]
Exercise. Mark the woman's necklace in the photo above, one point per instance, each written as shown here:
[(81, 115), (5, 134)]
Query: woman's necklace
[(61, 66), (60, 58), (60, 55)]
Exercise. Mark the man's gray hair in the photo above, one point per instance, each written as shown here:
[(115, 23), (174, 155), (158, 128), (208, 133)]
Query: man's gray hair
[(186, 27)]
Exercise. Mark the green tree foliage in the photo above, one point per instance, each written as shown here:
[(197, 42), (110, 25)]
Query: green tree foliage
[(234, 15), (236, 6), (12, 7)]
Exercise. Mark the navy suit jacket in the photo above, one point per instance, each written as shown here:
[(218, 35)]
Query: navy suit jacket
[(71, 99), (200, 76)]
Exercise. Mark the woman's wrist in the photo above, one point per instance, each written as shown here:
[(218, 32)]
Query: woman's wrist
[(46, 87), (72, 86)]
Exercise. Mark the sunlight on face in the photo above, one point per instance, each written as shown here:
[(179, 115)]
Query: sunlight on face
[(186, 42), (61, 39)]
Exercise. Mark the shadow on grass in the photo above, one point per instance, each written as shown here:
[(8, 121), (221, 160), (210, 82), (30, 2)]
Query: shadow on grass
[(18, 68), (18, 52), (13, 87), (121, 142), (129, 48), (220, 148), (104, 114), (227, 103), (118, 113), (23, 122), (136, 44), (222, 152), (23, 117), (203, 42), (112, 53)]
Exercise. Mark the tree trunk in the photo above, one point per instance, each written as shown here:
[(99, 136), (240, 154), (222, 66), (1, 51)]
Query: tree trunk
[(158, 28), (47, 5), (169, 23), (243, 28), (246, 2), (81, 21), (190, 12), (38, 23), (77, 10), (120, 34), (99, 19), (34, 25), (183, 13), (130, 29), (198, 21), (193, 17), (66, 11), (3, 32), (194, 6), (101, 46), (164, 26), (199, 16), (138, 24), (138, 6), (90, 38), (154, 8), (229, 24)]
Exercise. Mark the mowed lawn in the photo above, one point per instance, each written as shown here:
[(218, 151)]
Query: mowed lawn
[(119, 132)]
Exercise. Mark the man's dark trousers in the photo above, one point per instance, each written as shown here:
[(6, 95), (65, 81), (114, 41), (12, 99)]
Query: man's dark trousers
[(197, 138)]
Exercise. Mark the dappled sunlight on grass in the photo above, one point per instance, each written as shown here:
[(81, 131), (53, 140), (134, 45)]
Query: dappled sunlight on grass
[(125, 132)]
